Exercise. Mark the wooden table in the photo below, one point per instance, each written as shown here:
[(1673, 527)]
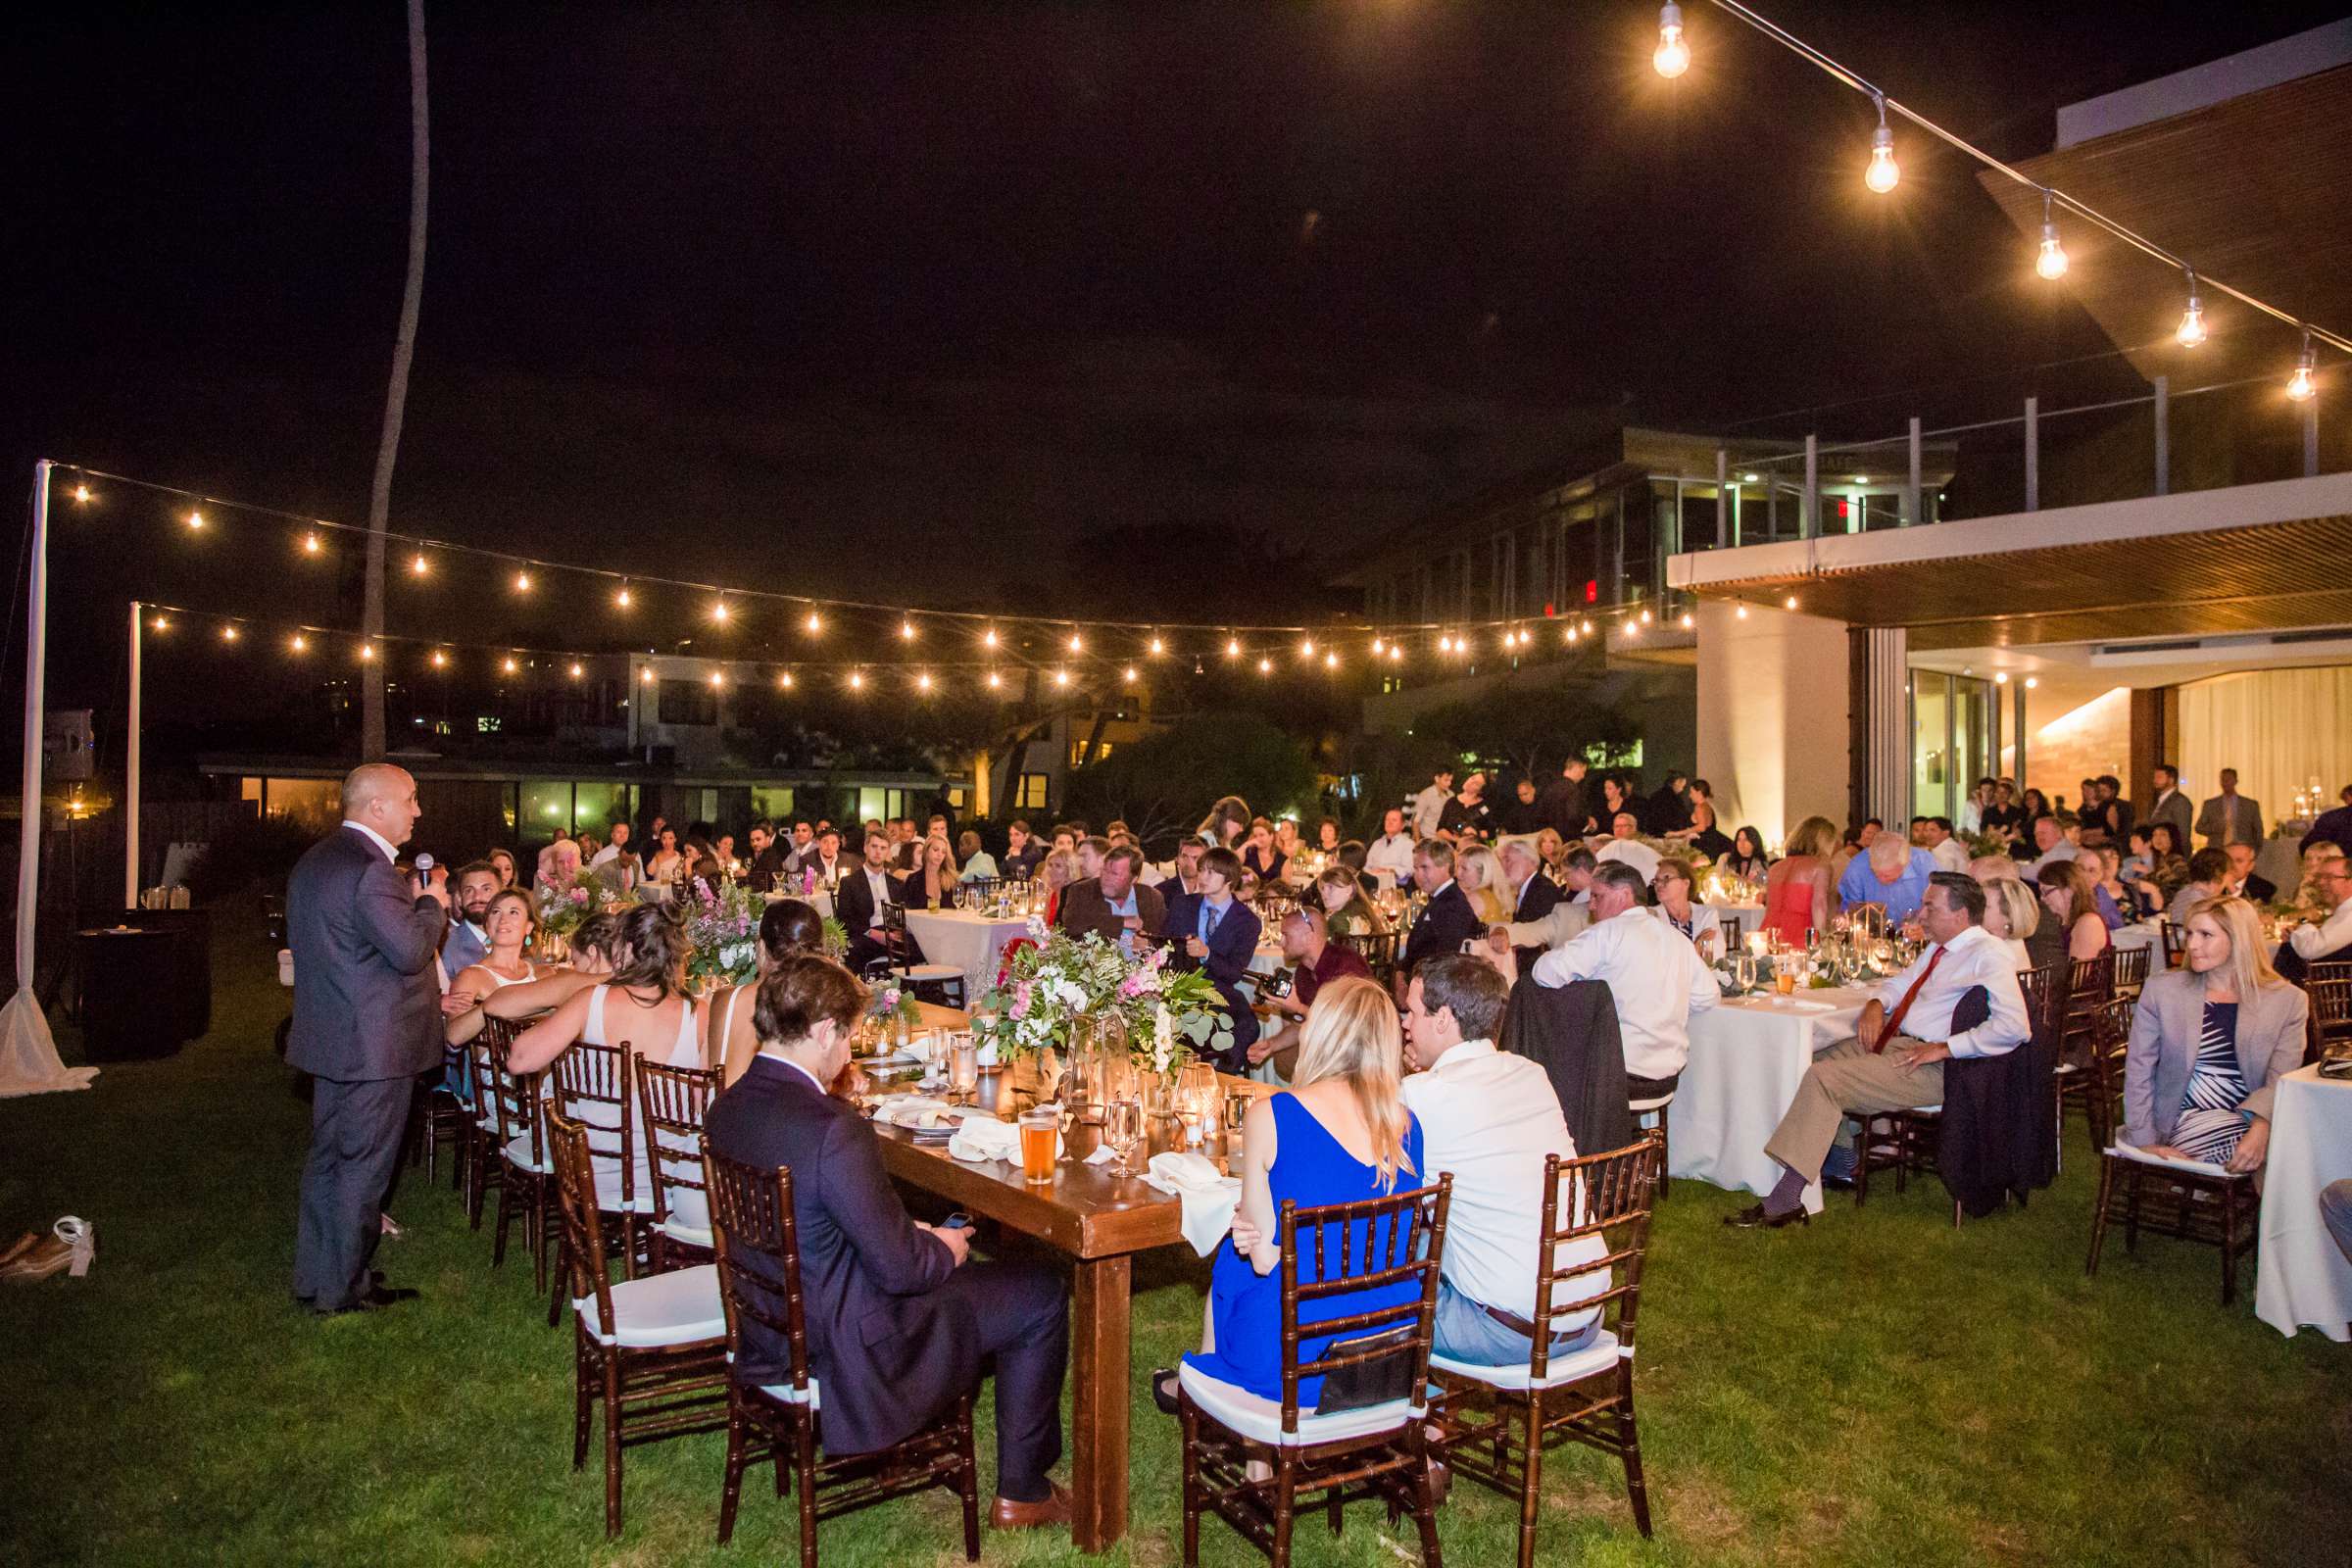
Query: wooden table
[(1099, 1219)]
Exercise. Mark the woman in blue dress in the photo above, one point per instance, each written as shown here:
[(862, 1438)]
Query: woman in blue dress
[(1340, 1135)]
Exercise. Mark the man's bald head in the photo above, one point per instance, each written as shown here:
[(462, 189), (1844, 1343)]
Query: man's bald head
[(384, 798)]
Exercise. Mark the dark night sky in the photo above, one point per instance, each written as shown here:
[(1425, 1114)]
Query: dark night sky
[(902, 298)]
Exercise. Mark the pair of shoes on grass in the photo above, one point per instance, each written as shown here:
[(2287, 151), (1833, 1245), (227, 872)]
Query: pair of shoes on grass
[(29, 1259)]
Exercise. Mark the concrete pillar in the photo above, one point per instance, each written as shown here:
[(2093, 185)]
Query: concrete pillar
[(1878, 723), (1772, 733)]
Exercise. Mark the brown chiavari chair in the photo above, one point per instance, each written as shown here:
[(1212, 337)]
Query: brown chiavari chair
[(485, 1165), (2131, 970), (2329, 985), (2176, 944), (1588, 1396), (671, 1102), (1379, 1449), (1378, 950), (594, 1085), (526, 1180), (758, 1246), (2080, 1073), (652, 1352)]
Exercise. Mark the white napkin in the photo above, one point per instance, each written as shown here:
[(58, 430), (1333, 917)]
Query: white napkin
[(982, 1137), (1208, 1198), (907, 1110), (1103, 1154)]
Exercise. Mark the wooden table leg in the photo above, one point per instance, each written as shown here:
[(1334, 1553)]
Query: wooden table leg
[(1100, 1361)]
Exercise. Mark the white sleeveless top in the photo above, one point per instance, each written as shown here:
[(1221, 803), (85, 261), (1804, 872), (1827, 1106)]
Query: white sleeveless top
[(686, 1051)]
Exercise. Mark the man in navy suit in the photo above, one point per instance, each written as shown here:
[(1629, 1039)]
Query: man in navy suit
[(367, 1022), (1219, 932), (897, 1320), (861, 898), (1445, 921)]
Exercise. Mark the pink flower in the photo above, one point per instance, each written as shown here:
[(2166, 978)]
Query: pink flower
[(1020, 1000)]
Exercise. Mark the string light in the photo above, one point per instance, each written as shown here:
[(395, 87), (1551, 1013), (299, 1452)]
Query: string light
[(922, 682), (366, 653), (857, 681), (2192, 330), (1396, 652), (228, 634), (309, 544), (1265, 667), (1587, 626), (816, 624), (1790, 602), (1330, 661), (622, 598), (994, 680), (2299, 385), (1572, 634), (299, 643), (195, 519), (508, 666), (1077, 642), (1883, 172), (906, 631), (1673, 56), (522, 582), (1061, 677), (160, 623), (719, 612), (420, 566), (645, 677), (988, 638), (1687, 621), (784, 681), (1129, 676), (1233, 648), (1306, 648), (82, 495), (1740, 614), (1157, 647), (576, 670), (440, 660), (1377, 650), (2051, 262), (1646, 618), (717, 677)]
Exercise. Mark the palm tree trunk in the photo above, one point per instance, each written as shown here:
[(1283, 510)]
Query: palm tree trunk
[(396, 395)]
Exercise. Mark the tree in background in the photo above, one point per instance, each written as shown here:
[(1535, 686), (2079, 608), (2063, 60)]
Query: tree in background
[(1162, 785), (1525, 729)]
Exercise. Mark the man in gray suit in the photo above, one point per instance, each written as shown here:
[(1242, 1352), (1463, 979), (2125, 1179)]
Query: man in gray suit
[(367, 1022), (2230, 818), (2170, 805)]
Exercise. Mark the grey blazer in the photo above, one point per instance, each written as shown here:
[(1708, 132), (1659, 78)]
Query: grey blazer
[(2165, 1031), (2212, 822), (367, 1005)]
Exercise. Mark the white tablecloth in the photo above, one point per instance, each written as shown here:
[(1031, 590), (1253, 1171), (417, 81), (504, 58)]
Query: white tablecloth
[(972, 943), (1745, 918), (2304, 1278), (2136, 934), (1746, 1058)]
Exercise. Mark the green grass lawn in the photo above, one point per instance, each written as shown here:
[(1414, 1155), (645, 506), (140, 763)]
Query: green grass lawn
[(1876, 1388)]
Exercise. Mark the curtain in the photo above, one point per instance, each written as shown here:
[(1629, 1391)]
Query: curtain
[(2278, 728)]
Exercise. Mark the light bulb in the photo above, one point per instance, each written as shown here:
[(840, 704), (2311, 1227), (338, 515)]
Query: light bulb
[(988, 638), (646, 676), (1646, 618), (622, 598), (1061, 677), (1129, 676), (1572, 634), (1376, 646), (421, 566), (522, 582), (716, 679), (1673, 56), (1688, 623), (2192, 330), (160, 622), (2299, 385), (2050, 262), (440, 659), (576, 670), (195, 519), (366, 651), (299, 643), (718, 610), (1158, 647), (1790, 602), (1396, 652), (309, 544), (1588, 629), (228, 634), (994, 680), (784, 681), (1265, 667), (508, 665), (1740, 614), (922, 682), (82, 493), (1233, 648), (1306, 648), (1883, 172), (1077, 642), (2001, 678), (857, 681), (2032, 682), (816, 624), (906, 631), (1330, 661)]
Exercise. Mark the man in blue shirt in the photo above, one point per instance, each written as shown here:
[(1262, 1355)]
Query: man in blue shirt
[(1894, 873), (1220, 935)]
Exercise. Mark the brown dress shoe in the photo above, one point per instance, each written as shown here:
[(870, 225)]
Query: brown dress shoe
[(1006, 1515)]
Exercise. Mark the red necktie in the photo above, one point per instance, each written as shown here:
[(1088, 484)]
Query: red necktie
[(1894, 1019)]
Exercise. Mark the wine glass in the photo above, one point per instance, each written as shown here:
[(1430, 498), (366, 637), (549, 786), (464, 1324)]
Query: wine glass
[(1743, 969), (1123, 1126)]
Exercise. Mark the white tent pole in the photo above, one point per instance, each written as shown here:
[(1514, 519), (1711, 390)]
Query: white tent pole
[(130, 776), (36, 647)]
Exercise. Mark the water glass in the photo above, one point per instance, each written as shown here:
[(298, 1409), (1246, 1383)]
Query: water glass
[(1123, 1127), (964, 1068)]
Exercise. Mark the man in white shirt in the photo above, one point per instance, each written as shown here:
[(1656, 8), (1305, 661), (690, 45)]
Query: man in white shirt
[(1958, 998), (2332, 939), (1936, 837), (1653, 974), (1430, 805), (1628, 850), (1490, 1119), (614, 848), (1393, 851)]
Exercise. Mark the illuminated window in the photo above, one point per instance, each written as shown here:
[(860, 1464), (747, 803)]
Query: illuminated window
[(1078, 756), (1030, 795)]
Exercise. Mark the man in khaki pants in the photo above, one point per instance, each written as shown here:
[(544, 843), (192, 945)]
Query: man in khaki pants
[(1958, 998)]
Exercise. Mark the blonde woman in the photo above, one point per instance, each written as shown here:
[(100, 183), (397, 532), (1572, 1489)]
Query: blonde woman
[(1340, 1134), (1479, 874), (2209, 1043), (1053, 873), (1797, 890), (2012, 914)]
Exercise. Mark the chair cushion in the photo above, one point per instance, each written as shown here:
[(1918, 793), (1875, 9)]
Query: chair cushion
[(518, 1156), (1657, 1102), (680, 1308), (2195, 1167), (1260, 1419), (1601, 1354), (608, 1192), (691, 1235), (786, 1394)]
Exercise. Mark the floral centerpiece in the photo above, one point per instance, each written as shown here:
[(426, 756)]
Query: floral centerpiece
[(561, 908), (1051, 993), (724, 928)]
